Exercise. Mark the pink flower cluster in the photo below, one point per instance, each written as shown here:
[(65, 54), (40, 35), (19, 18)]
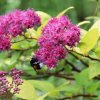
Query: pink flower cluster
[(14, 23), (55, 35), (4, 42), (6, 87), (16, 79)]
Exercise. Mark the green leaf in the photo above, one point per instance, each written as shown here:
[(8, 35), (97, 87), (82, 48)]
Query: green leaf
[(89, 41), (20, 45), (42, 97), (83, 22), (93, 87), (93, 18), (39, 30), (62, 87), (45, 86), (31, 33), (44, 16), (97, 51), (82, 78), (96, 25), (13, 59), (94, 69), (42, 85), (65, 11), (56, 91), (23, 44), (71, 89), (27, 91)]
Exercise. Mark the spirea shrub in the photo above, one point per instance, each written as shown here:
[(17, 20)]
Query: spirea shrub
[(55, 35), (14, 23), (54, 40)]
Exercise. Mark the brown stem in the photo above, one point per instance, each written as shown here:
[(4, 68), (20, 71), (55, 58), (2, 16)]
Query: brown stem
[(79, 95), (84, 63), (87, 56), (73, 66), (46, 74), (59, 75)]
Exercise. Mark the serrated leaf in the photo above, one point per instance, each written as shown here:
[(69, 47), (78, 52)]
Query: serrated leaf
[(89, 41), (65, 11), (94, 69)]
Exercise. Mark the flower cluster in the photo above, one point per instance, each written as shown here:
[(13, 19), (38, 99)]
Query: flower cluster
[(14, 23), (5, 42), (55, 35), (6, 86), (16, 80)]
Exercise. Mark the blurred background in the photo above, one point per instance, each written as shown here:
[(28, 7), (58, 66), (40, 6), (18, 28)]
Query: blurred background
[(83, 8), (21, 59)]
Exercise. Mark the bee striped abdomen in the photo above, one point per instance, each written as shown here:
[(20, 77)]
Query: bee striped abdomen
[(35, 63)]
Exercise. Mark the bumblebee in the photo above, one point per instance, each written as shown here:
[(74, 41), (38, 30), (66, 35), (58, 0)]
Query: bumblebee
[(35, 63)]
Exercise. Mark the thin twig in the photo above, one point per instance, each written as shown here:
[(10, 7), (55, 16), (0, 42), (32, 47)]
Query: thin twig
[(73, 66), (87, 56), (48, 74), (79, 95), (59, 75), (84, 63)]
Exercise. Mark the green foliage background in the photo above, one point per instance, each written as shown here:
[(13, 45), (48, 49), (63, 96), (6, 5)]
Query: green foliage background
[(83, 8), (78, 74)]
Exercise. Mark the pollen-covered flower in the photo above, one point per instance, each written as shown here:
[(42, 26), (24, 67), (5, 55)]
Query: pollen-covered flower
[(55, 35)]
